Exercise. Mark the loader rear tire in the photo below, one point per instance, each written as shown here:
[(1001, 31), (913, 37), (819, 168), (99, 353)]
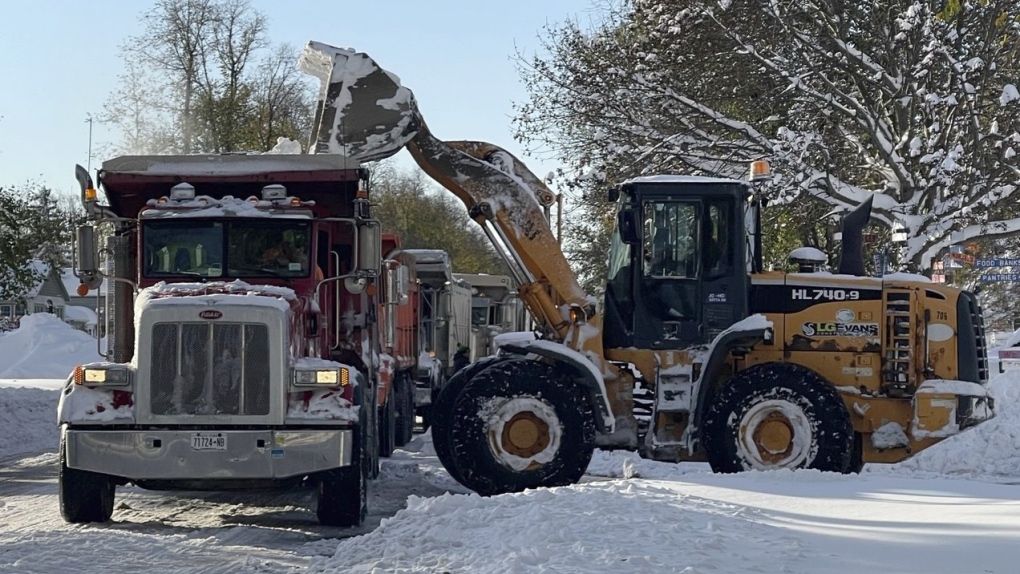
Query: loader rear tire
[(84, 496), (778, 415), (521, 424)]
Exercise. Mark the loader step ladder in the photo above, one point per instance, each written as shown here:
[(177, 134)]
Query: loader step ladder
[(671, 410), (899, 364)]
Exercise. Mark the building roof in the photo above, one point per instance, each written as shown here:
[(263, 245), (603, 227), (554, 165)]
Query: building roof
[(80, 314)]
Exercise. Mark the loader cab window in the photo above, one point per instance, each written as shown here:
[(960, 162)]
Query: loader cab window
[(671, 234)]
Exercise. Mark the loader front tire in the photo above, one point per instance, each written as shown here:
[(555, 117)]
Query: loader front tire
[(520, 424), (84, 496), (778, 415), (441, 412)]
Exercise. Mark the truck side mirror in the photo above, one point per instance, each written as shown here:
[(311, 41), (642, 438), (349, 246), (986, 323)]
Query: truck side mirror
[(627, 223), (370, 248)]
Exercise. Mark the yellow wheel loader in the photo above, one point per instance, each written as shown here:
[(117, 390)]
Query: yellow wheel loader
[(749, 369)]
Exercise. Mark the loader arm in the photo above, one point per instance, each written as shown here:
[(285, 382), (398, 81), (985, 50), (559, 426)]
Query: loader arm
[(366, 114)]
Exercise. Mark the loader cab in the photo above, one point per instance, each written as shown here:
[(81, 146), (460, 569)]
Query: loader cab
[(679, 261)]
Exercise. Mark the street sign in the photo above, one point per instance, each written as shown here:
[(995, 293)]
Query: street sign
[(966, 258), (999, 277), (997, 262)]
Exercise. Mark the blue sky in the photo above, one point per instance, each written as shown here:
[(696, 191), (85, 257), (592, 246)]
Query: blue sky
[(60, 62)]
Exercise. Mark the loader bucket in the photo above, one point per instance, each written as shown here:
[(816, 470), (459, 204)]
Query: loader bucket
[(364, 113)]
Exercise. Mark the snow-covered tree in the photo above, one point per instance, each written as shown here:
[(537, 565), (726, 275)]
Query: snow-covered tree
[(198, 79), (34, 229), (914, 102)]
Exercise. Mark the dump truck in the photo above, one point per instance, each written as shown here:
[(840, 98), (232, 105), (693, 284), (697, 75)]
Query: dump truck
[(259, 336), (445, 324), (749, 368), (495, 309)]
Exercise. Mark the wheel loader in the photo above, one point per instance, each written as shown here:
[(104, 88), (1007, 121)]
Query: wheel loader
[(749, 368)]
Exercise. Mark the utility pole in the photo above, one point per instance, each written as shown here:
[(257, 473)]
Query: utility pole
[(88, 120)]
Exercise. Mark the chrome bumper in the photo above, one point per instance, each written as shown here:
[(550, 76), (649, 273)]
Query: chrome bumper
[(168, 454)]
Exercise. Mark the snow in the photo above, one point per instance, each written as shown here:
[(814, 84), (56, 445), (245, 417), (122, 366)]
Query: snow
[(808, 254), (227, 206), (628, 515), (679, 179), (81, 315), (214, 292), (44, 347)]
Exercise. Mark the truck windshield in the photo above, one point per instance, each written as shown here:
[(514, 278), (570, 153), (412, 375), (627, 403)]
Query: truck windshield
[(235, 248)]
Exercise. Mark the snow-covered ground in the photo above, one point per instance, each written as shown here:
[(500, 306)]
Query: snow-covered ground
[(952, 508)]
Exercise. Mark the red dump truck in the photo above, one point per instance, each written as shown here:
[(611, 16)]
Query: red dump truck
[(258, 334)]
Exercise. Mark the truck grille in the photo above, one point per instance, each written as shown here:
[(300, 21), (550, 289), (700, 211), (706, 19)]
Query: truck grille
[(210, 368), (971, 346)]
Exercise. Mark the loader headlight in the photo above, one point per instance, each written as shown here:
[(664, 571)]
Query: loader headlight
[(102, 375), (335, 377)]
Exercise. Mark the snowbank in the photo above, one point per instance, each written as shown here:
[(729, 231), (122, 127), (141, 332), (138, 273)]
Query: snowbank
[(597, 527), (44, 347), (991, 449), (28, 420)]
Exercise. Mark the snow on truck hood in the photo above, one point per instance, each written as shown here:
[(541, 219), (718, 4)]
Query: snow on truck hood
[(222, 292)]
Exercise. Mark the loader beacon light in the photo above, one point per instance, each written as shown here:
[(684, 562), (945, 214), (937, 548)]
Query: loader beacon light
[(82, 290), (90, 194), (760, 171)]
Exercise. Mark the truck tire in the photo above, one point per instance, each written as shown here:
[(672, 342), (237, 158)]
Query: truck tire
[(343, 492), (388, 426), (404, 396), (778, 415), (520, 424), (84, 496), (443, 405)]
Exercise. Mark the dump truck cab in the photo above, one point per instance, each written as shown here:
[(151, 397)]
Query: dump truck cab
[(244, 338)]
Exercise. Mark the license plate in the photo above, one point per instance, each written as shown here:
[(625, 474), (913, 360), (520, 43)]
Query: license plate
[(203, 441)]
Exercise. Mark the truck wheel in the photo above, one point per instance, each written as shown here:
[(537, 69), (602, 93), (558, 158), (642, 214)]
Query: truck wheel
[(84, 496), (387, 426), (405, 412), (443, 403), (519, 424), (343, 492), (778, 415)]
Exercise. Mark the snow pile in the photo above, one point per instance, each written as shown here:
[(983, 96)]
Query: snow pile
[(598, 527), (28, 420), (989, 449), (44, 347)]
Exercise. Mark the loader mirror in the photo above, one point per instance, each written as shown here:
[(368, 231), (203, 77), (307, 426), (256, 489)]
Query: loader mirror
[(370, 248), (627, 222), (87, 250), (613, 194)]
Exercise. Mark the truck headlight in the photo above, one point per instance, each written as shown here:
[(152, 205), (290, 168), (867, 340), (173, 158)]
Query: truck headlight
[(102, 376), (332, 377)]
